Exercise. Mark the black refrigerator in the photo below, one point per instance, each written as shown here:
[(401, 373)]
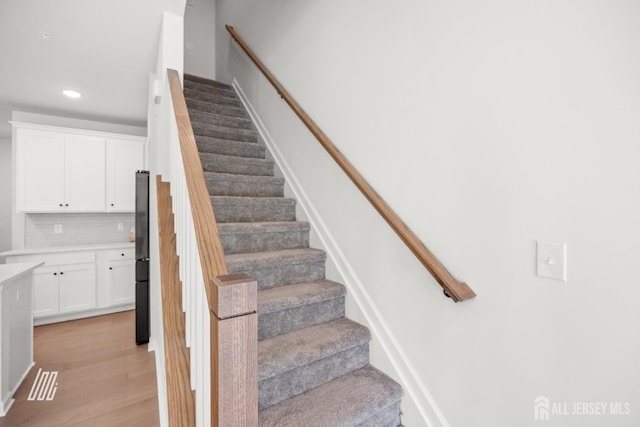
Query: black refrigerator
[(142, 257)]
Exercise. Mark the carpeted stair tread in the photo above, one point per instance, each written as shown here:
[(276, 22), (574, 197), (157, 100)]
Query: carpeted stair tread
[(286, 352), (229, 147), (215, 98), (287, 308), (299, 294), (225, 184), (350, 400), (253, 209), (278, 268), (211, 107), (190, 78), (245, 237), (234, 164), (296, 362), (220, 119), (224, 132)]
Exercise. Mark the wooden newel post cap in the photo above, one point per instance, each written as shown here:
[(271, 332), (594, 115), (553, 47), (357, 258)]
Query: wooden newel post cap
[(234, 295)]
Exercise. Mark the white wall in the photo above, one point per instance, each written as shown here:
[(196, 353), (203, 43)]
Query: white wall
[(487, 126), (5, 195), (199, 38)]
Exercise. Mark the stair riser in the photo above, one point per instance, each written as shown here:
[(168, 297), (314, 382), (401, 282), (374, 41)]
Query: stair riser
[(283, 274), (208, 107), (253, 213), (215, 98), (388, 417), (230, 148), (283, 321), (297, 381), (224, 187), (237, 165), (220, 120), (214, 131), (262, 242), (222, 90), (201, 81)]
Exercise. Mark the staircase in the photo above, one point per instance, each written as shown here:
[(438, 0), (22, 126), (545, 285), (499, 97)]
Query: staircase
[(313, 363)]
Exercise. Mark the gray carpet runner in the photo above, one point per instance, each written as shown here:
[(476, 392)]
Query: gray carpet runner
[(313, 363)]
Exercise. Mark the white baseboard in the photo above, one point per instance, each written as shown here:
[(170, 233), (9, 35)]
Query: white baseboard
[(82, 314), (406, 374), (6, 403), (152, 345)]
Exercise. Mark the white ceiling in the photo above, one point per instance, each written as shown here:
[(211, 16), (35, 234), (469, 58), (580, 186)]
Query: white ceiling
[(104, 49)]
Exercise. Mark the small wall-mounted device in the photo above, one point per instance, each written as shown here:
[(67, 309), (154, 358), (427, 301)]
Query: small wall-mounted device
[(551, 260), (157, 91)]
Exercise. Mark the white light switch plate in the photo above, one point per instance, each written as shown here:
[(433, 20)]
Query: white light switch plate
[(57, 229), (120, 226), (551, 260)]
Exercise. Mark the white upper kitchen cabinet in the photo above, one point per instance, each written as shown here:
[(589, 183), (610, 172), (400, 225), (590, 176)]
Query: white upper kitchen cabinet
[(84, 173), (40, 171), (74, 170), (124, 158), (57, 172)]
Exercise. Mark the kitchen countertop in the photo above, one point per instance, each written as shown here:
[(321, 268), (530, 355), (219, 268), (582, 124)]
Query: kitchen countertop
[(11, 271), (58, 249)]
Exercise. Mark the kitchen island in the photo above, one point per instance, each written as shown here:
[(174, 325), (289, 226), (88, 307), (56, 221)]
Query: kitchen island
[(16, 328)]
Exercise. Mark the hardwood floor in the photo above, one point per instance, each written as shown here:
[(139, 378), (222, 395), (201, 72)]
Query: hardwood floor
[(104, 378)]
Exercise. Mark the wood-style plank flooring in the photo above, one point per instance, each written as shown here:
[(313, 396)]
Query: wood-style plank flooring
[(104, 378)]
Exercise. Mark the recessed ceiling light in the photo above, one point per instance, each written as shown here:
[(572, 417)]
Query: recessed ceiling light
[(44, 35), (71, 93)]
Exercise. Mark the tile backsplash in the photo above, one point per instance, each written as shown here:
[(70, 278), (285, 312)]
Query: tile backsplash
[(77, 228)]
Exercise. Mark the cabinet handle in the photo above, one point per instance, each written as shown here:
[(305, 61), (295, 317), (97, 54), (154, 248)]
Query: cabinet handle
[(55, 274), (111, 204), (110, 268), (61, 205), (61, 273), (122, 254), (66, 204)]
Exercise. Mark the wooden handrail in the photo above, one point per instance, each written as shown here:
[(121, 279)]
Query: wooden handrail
[(232, 299), (209, 246), (457, 290)]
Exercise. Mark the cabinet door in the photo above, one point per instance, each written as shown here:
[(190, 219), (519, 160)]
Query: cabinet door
[(121, 283), (17, 303), (77, 287), (84, 173), (39, 171), (124, 158), (45, 291)]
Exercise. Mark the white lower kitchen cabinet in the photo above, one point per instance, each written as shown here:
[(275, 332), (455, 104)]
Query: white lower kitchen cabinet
[(45, 292), (75, 283), (121, 282), (77, 287), (64, 289)]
